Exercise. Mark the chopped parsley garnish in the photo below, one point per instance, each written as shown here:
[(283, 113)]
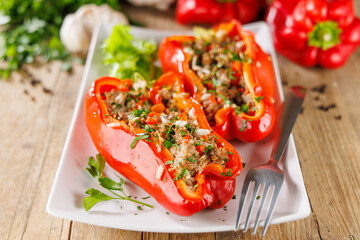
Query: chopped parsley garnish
[(183, 133), (245, 108), (208, 148), (168, 143), (243, 125), (183, 173), (141, 112), (198, 51), (169, 162), (189, 128), (148, 128), (231, 153), (231, 75), (138, 122), (226, 101), (237, 111), (169, 131), (174, 119), (228, 173), (259, 98), (215, 136), (191, 159), (235, 56), (215, 82), (136, 139)]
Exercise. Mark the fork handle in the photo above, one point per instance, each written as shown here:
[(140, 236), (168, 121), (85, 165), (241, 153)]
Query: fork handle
[(290, 110)]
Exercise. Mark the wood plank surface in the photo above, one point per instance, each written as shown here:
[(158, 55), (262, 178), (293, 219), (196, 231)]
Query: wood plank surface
[(37, 103)]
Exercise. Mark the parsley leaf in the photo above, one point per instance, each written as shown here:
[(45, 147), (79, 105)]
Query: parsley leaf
[(96, 166), (136, 139), (95, 196)]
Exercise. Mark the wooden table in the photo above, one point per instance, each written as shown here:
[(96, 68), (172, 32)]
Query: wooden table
[(36, 105)]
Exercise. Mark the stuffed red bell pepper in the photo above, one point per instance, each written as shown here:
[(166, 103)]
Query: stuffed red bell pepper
[(315, 32), (229, 74), (160, 140), (216, 11)]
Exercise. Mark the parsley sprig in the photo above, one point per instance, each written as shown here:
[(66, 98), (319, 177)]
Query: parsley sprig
[(95, 168)]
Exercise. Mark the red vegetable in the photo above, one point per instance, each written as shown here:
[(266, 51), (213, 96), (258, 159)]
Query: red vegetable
[(216, 11), (141, 162), (315, 32), (258, 74)]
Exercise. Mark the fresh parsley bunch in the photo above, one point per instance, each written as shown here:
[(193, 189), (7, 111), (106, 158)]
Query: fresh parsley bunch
[(32, 30)]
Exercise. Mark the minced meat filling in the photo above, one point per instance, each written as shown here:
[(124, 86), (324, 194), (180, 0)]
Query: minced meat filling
[(218, 63), (192, 147)]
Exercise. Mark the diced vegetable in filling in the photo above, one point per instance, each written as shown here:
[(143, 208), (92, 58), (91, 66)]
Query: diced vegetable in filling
[(192, 147), (217, 60)]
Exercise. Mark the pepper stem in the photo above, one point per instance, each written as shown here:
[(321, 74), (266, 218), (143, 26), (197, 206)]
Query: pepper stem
[(324, 35)]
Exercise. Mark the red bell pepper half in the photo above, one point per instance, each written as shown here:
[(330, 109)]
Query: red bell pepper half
[(315, 32), (249, 116), (135, 149), (216, 11)]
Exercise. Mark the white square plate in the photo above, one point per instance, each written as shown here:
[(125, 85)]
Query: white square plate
[(72, 180)]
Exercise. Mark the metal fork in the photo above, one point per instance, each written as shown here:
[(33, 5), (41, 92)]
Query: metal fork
[(269, 174)]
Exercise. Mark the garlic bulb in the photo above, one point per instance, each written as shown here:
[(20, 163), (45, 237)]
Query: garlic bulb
[(159, 4), (77, 28)]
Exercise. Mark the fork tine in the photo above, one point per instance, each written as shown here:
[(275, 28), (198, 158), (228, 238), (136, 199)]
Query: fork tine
[(241, 203), (271, 209), (251, 206), (264, 194)]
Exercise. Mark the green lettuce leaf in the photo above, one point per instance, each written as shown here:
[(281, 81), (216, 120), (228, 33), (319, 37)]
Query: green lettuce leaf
[(127, 55)]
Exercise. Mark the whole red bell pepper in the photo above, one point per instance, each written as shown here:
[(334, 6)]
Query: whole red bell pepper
[(258, 75), (216, 11), (315, 32), (141, 162)]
